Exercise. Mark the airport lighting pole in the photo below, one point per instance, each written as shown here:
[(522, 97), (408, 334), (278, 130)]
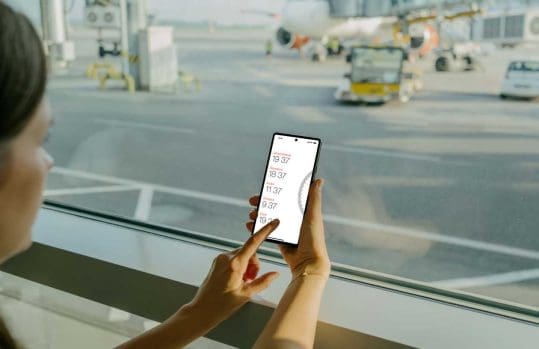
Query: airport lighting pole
[(124, 41), (137, 20), (53, 23)]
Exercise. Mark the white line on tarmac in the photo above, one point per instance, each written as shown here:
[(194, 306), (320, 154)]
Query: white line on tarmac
[(488, 280), (144, 126), (88, 190), (264, 91), (389, 229), (393, 154), (144, 204), (451, 240), (161, 188)]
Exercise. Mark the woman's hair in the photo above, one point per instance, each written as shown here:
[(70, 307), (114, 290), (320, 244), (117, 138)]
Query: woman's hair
[(23, 77), (23, 72)]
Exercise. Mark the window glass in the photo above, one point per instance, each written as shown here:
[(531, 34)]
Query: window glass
[(43, 317), (436, 181), (375, 65)]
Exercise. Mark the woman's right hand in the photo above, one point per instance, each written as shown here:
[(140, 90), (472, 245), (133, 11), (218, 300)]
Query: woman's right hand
[(311, 256)]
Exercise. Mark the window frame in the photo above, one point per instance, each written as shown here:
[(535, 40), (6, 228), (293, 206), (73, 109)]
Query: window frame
[(475, 302)]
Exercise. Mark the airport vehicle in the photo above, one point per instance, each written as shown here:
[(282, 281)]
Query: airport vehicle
[(376, 76), (459, 57), (521, 80)]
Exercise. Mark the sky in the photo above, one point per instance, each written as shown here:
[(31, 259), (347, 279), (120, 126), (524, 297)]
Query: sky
[(221, 11)]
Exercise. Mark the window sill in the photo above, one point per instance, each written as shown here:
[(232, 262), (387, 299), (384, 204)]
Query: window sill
[(100, 260)]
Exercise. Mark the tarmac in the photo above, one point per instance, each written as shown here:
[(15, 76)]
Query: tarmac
[(443, 189)]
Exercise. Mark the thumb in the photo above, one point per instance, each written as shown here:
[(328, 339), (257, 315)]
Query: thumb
[(260, 284), (313, 212)]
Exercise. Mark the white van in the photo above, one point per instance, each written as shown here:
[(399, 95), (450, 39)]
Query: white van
[(521, 80)]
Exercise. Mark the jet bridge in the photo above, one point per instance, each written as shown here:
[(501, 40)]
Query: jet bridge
[(384, 8), (359, 8)]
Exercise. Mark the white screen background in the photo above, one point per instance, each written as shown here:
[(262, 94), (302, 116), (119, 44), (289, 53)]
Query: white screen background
[(286, 184)]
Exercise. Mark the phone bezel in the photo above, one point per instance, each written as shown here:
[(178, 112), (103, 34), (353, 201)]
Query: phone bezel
[(315, 166)]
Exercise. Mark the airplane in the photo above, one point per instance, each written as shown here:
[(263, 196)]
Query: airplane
[(311, 24)]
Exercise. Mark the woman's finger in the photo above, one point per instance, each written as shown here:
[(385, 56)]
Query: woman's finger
[(254, 200), (254, 261), (260, 284), (287, 250), (252, 244), (250, 226), (313, 213), (252, 269), (253, 214)]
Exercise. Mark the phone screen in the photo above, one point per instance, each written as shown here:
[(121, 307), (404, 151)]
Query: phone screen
[(289, 171)]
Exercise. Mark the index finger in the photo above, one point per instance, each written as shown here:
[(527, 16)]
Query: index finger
[(253, 200), (251, 245)]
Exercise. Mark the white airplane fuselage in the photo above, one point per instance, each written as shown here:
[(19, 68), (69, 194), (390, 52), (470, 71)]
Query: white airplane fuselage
[(312, 18)]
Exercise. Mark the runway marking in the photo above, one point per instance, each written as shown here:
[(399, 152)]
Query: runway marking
[(161, 188), (144, 203), (375, 152), (89, 190), (489, 280), (389, 229), (144, 126), (451, 240)]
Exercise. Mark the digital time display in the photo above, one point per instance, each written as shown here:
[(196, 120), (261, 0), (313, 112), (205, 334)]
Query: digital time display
[(289, 172)]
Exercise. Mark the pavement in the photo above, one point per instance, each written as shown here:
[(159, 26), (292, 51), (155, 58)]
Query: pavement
[(443, 189)]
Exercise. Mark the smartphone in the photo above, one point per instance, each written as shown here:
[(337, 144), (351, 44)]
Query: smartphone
[(290, 170)]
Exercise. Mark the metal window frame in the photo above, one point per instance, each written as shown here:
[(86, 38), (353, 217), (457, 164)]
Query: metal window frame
[(131, 290), (470, 301)]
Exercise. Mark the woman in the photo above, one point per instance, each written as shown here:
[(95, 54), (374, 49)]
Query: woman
[(25, 118)]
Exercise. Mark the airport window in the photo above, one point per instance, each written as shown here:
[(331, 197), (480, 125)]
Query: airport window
[(431, 162), (492, 27), (524, 66), (514, 26)]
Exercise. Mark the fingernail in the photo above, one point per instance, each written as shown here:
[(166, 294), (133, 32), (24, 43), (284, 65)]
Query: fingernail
[(275, 222), (319, 183)]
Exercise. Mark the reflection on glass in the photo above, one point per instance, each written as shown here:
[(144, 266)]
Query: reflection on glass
[(443, 189)]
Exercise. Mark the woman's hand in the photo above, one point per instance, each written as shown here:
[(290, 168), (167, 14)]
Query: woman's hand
[(311, 255), (233, 280)]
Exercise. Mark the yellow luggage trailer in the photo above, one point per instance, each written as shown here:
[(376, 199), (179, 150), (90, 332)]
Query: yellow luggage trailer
[(376, 76)]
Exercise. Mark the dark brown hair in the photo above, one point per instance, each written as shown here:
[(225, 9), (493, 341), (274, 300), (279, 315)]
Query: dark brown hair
[(23, 72), (23, 78)]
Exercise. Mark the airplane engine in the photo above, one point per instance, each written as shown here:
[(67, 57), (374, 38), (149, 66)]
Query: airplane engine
[(424, 39), (290, 40)]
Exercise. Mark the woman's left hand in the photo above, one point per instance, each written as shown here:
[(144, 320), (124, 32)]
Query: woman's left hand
[(233, 279)]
